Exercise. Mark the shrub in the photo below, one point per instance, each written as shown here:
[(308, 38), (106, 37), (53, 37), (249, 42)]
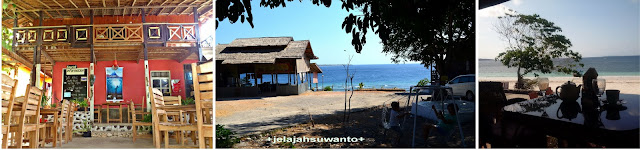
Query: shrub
[(361, 85), (328, 88), (423, 82), (146, 118), (224, 137), (188, 100)]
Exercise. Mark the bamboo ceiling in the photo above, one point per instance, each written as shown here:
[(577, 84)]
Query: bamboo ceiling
[(28, 9)]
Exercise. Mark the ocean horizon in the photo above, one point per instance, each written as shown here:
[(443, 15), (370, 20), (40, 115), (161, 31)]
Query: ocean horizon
[(605, 66)]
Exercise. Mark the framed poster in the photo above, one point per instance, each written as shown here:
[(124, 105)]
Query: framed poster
[(114, 84)]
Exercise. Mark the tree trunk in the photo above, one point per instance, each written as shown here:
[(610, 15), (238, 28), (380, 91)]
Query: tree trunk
[(520, 82)]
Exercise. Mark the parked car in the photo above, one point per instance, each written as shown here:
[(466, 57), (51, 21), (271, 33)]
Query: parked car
[(464, 85)]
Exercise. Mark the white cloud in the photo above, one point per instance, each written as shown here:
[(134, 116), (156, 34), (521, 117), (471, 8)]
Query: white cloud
[(495, 11), (517, 2)]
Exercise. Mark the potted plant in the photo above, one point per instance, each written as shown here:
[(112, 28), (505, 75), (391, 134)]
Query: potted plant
[(85, 129), (82, 105), (47, 106), (148, 118), (53, 105)]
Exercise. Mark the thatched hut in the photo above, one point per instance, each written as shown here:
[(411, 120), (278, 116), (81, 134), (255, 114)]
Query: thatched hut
[(256, 57)]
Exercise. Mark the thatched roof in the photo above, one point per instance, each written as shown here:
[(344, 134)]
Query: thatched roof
[(315, 68), (263, 50)]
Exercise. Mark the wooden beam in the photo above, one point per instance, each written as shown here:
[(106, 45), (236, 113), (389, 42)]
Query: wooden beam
[(46, 55), (185, 56), (136, 7), (194, 1), (17, 57), (174, 9), (45, 5), (74, 4), (69, 12), (34, 12), (205, 4), (87, 2), (161, 9)]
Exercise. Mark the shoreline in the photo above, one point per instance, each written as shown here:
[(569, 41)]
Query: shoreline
[(626, 84)]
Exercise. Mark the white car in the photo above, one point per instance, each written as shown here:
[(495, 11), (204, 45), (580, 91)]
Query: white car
[(464, 85)]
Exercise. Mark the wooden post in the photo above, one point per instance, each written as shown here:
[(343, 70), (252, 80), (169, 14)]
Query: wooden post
[(91, 70), (197, 30), (146, 63), (35, 73)]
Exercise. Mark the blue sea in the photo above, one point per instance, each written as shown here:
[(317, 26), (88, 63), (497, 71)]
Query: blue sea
[(606, 66), (379, 76)]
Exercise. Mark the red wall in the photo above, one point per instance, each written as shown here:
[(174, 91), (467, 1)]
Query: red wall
[(133, 77)]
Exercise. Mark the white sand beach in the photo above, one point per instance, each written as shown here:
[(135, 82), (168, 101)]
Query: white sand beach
[(626, 84)]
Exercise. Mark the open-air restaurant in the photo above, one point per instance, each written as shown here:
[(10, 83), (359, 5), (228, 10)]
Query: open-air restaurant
[(93, 74)]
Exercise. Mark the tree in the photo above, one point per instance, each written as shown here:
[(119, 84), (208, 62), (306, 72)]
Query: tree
[(439, 33), (241, 9), (533, 43)]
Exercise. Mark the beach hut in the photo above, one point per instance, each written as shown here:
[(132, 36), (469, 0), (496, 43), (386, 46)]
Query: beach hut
[(274, 58)]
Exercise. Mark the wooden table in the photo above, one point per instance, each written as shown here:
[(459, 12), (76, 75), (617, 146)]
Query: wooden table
[(587, 119), (111, 104), (54, 128)]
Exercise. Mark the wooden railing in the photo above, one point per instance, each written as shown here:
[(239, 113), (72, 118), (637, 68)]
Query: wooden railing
[(165, 33), (117, 33)]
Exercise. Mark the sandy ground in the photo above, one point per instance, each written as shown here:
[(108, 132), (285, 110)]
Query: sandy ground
[(365, 124), (251, 115), (626, 84)]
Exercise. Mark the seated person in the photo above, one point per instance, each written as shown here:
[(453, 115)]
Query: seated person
[(396, 114), (445, 121)]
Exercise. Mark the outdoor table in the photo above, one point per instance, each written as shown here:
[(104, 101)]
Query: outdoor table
[(587, 119), (188, 109), (111, 104), (54, 129)]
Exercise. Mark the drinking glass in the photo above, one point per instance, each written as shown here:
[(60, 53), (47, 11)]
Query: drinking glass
[(543, 84), (599, 85)]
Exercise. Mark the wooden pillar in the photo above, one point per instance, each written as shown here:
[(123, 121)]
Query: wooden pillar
[(147, 79), (197, 29), (91, 71), (35, 73)]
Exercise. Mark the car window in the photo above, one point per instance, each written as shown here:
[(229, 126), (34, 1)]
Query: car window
[(463, 80), (454, 81), (472, 78)]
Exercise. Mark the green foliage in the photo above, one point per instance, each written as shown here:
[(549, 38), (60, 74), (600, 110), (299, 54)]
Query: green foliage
[(224, 137), (235, 9), (423, 31), (188, 100), (360, 85), (147, 118), (328, 88), (44, 100), (86, 126), (83, 104), (53, 105), (423, 82), (289, 145), (533, 44)]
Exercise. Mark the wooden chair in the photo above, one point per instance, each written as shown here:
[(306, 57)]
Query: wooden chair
[(8, 95), (70, 118), (160, 120), (135, 122), (63, 122), (29, 118), (174, 100), (203, 92), (97, 109), (138, 108)]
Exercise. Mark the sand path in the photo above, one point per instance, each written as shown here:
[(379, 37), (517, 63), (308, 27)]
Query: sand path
[(251, 115)]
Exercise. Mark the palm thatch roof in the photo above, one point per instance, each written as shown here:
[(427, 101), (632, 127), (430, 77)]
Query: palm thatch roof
[(263, 50)]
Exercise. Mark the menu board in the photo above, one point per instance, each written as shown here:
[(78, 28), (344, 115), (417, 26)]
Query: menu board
[(74, 83)]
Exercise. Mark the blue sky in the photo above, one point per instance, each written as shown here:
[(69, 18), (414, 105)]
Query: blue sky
[(305, 21), (595, 27)]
